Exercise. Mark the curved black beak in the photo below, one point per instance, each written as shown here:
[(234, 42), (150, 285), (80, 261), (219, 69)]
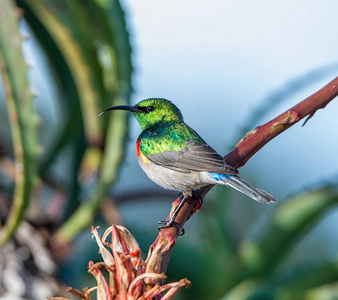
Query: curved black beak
[(122, 107)]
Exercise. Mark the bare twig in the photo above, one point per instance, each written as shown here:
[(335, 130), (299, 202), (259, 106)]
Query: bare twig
[(160, 250)]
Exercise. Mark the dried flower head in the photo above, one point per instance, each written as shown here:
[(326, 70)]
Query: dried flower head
[(128, 278)]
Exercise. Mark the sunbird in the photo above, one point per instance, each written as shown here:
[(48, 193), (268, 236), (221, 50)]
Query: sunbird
[(174, 156)]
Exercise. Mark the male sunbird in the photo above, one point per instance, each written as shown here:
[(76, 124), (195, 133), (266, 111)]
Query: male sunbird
[(175, 157)]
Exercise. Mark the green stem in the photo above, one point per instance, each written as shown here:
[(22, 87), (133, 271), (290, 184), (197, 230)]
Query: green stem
[(70, 47), (117, 131), (117, 38), (22, 116)]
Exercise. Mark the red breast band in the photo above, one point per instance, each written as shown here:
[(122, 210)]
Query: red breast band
[(138, 150)]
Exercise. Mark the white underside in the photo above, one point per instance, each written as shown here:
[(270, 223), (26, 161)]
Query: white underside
[(173, 180), (187, 182)]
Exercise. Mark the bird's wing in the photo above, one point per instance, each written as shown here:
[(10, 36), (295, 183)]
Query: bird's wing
[(195, 157)]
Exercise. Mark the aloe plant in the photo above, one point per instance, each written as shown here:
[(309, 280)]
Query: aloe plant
[(21, 113), (91, 62)]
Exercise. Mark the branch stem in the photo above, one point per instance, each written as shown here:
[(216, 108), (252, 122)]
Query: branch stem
[(160, 250)]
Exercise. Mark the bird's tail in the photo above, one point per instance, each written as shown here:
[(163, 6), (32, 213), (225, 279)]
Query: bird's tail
[(248, 189)]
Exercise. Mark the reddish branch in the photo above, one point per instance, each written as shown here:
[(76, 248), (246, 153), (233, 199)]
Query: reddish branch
[(160, 250)]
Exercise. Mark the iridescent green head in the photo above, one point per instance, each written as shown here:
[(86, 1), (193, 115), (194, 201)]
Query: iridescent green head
[(150, 112)]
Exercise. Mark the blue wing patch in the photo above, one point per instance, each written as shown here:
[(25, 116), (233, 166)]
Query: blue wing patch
[(218, 176)]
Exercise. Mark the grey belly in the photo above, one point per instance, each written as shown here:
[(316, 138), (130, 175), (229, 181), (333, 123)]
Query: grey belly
[(174, 180)]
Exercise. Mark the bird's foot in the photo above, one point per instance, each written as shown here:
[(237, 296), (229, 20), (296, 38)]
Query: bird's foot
[(171, 223), (198, 196), (198, 206)]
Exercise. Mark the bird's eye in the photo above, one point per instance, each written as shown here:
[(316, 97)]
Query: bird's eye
[(149, 109)]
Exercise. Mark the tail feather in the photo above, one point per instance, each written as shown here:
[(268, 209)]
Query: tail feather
[(248, 189)]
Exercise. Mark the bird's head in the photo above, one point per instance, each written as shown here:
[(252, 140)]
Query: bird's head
[(150, 112)]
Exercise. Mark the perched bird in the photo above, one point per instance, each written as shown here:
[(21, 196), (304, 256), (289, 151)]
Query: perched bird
[(175, 157)]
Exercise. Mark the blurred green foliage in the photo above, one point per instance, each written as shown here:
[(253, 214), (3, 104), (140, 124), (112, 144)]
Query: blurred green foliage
[(88, 51), (89, 54), (21, 114)]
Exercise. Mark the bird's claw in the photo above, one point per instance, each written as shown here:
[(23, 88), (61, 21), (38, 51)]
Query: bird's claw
[(171, 223), (198, 196)]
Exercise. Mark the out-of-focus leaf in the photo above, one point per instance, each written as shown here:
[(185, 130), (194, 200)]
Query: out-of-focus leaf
[(22, 116), (74, 39), (291, 221), (243, 290), (96, 56), (119, 51), (327, 291), (309, 282), (71, 123), (298, 283), (258, 259)]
